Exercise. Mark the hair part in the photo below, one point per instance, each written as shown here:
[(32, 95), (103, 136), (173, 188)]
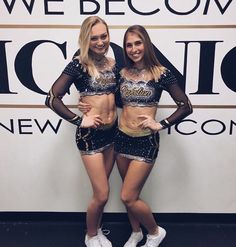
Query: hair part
[(151, 62)]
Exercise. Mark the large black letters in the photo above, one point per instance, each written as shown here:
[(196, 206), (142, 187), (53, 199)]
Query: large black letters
[(12, 3), (94, 12), (4, 81), (29, 6), (108, 9), (181, 13), (228, 70), (222, 10), (47, 12), (205, 80), (9, 6), (206, 65), (23, 63), (141, 13)]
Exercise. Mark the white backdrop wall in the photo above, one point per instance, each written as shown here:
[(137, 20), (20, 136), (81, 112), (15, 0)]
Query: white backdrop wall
[(40, 166)]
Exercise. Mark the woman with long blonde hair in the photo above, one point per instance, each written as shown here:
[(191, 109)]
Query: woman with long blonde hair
[(94, 75)]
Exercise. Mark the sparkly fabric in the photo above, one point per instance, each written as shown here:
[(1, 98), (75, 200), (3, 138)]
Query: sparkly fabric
[(73, 73), (141, 148), (91, 141), (145, 93), (86, 85)]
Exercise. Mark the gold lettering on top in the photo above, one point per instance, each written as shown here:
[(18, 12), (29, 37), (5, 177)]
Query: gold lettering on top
[(135, 91), (105, 79)]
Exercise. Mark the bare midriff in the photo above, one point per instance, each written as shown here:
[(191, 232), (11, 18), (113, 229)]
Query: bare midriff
[(130, 118), (102, 105)]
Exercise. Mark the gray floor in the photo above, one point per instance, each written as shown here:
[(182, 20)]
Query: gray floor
[(71, 234)]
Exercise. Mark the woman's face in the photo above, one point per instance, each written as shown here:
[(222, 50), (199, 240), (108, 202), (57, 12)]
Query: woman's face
[(134, 48), (99, 39)]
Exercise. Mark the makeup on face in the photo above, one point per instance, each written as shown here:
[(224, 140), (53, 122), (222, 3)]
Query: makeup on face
[(134, 48), (99, 39)]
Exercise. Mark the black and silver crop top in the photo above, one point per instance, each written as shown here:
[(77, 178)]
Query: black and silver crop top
[(147, 93), (85, 84)]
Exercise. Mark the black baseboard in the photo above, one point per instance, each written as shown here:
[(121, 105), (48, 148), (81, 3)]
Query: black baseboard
[(79, 217)]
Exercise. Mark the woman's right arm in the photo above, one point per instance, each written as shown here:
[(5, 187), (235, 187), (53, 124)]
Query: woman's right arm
[(54, 100)]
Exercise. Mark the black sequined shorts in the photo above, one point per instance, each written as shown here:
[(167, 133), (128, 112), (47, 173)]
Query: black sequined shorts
[(91, 141), (142, 148)]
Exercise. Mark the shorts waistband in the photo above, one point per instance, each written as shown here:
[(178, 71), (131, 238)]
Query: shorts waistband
[(135, 133), (109, 125)]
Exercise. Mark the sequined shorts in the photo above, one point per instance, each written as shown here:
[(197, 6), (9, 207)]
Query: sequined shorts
[(142, 148), (91, 141)]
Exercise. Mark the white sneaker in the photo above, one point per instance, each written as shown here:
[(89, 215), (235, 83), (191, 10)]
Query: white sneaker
[(103, 239), (154, 241), (92, 242), (134, 239)]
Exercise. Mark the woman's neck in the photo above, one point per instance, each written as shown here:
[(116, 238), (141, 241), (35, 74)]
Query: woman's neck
[(139, 65), (96, 57)]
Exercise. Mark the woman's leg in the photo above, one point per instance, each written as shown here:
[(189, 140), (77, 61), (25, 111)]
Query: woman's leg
[(123, 165), (109, 160), (98, 167), (134, 180)]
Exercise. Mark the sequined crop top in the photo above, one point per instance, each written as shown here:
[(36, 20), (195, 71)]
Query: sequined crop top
[(148, 93), (87, 85), (145, 93)]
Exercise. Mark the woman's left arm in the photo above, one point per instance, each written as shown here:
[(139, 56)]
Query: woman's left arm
[(184, 107)]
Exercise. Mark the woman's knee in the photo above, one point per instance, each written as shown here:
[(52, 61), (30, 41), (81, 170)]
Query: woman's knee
[(128, 199), (102, 197)]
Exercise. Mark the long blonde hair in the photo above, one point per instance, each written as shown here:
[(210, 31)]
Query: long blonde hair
[(84, 41), (151, 62)]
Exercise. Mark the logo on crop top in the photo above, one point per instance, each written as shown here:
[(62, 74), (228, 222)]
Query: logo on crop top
[(136, 91)]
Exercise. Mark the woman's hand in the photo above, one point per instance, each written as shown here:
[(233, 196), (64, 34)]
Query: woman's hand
[(93, 121), (84, 107), (149, 122)]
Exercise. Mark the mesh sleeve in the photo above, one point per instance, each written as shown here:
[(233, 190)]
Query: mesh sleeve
[(184, 107), (55, 95)]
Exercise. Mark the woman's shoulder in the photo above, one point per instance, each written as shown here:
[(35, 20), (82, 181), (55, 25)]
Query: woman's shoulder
[(163, 70), (73, 67), (126, 72), (111, 61), (166, 76), (76, 60), (166, 72)]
